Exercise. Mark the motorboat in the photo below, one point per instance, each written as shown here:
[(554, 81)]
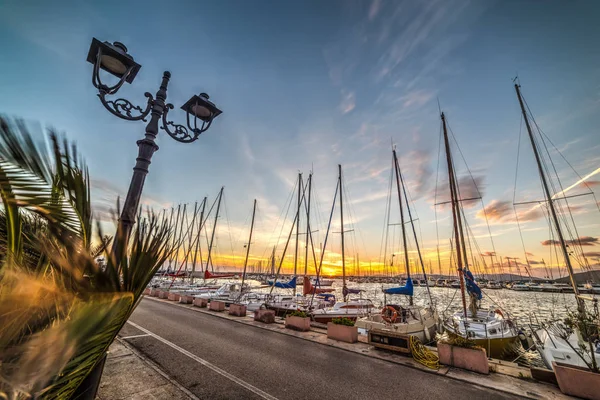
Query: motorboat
[(520, 287), (351, 309), (228, 292)]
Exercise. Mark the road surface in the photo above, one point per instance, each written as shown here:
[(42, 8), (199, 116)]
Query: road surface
[(218, 359)]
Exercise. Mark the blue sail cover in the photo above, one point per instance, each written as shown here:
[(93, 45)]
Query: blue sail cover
[(472, 287), (407, 289), (284, 285), (346, 291)]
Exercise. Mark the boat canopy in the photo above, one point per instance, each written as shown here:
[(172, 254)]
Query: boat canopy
[(284, 285), (407, 289)]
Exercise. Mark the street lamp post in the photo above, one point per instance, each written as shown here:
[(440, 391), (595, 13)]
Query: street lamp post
[(114, 59)]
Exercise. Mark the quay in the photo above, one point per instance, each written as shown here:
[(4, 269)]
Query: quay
[(212, 355)]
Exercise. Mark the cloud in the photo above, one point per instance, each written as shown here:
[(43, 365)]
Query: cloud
[(582, 241), (470, 190), (374, 9), (500, 211), (488, 254), (589, 184), (416, 98), (535, 262), (348, 102), (592, 254), (419, 172)]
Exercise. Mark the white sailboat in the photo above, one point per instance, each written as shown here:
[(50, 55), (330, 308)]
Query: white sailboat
[(556, 342), (488, 329), (407, 320)]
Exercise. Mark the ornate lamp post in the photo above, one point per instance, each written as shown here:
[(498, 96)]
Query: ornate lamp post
[(114, 59)]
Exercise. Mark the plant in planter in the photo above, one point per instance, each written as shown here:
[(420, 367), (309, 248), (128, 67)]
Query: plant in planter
[(342, 329), (60, 310), (462, 353), (298, 320)]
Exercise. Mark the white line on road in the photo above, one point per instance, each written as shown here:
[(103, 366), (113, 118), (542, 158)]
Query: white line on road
[(202, 361), (134, 336)]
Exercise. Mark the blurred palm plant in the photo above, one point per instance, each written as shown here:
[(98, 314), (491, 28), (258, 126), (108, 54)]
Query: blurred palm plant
[(59, 310)]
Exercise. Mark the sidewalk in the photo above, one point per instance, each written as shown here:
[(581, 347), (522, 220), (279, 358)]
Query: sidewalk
[(129, 375)]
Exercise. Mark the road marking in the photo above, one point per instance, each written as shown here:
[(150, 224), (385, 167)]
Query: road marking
[(134, 336), (207, 364)]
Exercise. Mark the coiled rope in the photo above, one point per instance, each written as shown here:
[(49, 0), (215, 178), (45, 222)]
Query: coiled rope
[(422, 354)]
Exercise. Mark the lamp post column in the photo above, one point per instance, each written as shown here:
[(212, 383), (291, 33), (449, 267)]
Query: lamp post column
[(146, 147)]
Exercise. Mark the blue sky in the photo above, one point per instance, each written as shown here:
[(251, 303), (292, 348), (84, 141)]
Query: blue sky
[(310, 84)]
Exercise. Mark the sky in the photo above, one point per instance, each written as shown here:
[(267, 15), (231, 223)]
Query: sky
[(307, 85)]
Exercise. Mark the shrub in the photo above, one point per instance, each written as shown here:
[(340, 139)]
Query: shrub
[(343, 321), (298, 313)]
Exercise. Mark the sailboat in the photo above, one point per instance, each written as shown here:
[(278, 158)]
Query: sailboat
[(487, 328), (557, 343), (408, 320), (351, 309)]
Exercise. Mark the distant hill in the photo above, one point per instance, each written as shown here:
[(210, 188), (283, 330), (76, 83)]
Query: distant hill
[(582, 277)]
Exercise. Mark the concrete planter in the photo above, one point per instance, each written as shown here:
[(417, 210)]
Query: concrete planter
[(186, 299), (202, 303), (174, 297), (154, 292), (147, 291), (461, 357), (343, 333), (297, 323), (577, 381), (163, 294), (239, 310), (216, 305), (264, 316)]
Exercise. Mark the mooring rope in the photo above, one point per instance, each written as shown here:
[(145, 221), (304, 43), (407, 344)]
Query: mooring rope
[(422, 354)]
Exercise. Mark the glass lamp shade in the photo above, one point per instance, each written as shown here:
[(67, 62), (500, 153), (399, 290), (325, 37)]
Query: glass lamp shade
[(200, 111), (113, 65)]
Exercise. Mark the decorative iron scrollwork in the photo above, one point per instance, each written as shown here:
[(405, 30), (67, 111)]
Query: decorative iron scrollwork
[(179, 132), (123, 108)]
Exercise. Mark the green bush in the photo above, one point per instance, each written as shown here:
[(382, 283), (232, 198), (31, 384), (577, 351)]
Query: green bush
[(343, 321), (298, 313)]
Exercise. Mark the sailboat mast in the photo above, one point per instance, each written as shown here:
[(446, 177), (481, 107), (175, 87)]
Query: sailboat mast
[(561, 238), (412, 224), (197, 245), (406, 261), (273, 261), (342, 224), (307, 224), (189, 247), (248, 247), (297, 226), (455, 218), (212, 236)]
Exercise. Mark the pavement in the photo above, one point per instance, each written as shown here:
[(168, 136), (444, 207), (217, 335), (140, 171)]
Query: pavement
[(130, 375), (211, 357)]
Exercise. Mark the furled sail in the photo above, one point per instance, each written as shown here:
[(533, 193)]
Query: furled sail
[(407, 289)]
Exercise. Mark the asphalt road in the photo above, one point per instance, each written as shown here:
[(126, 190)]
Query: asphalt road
[(219, 359)]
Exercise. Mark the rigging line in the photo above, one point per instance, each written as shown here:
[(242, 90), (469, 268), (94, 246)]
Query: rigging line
[(289, 203), (285, 249), (386, 222), (229, 230), (558, 151), (325, 241)]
